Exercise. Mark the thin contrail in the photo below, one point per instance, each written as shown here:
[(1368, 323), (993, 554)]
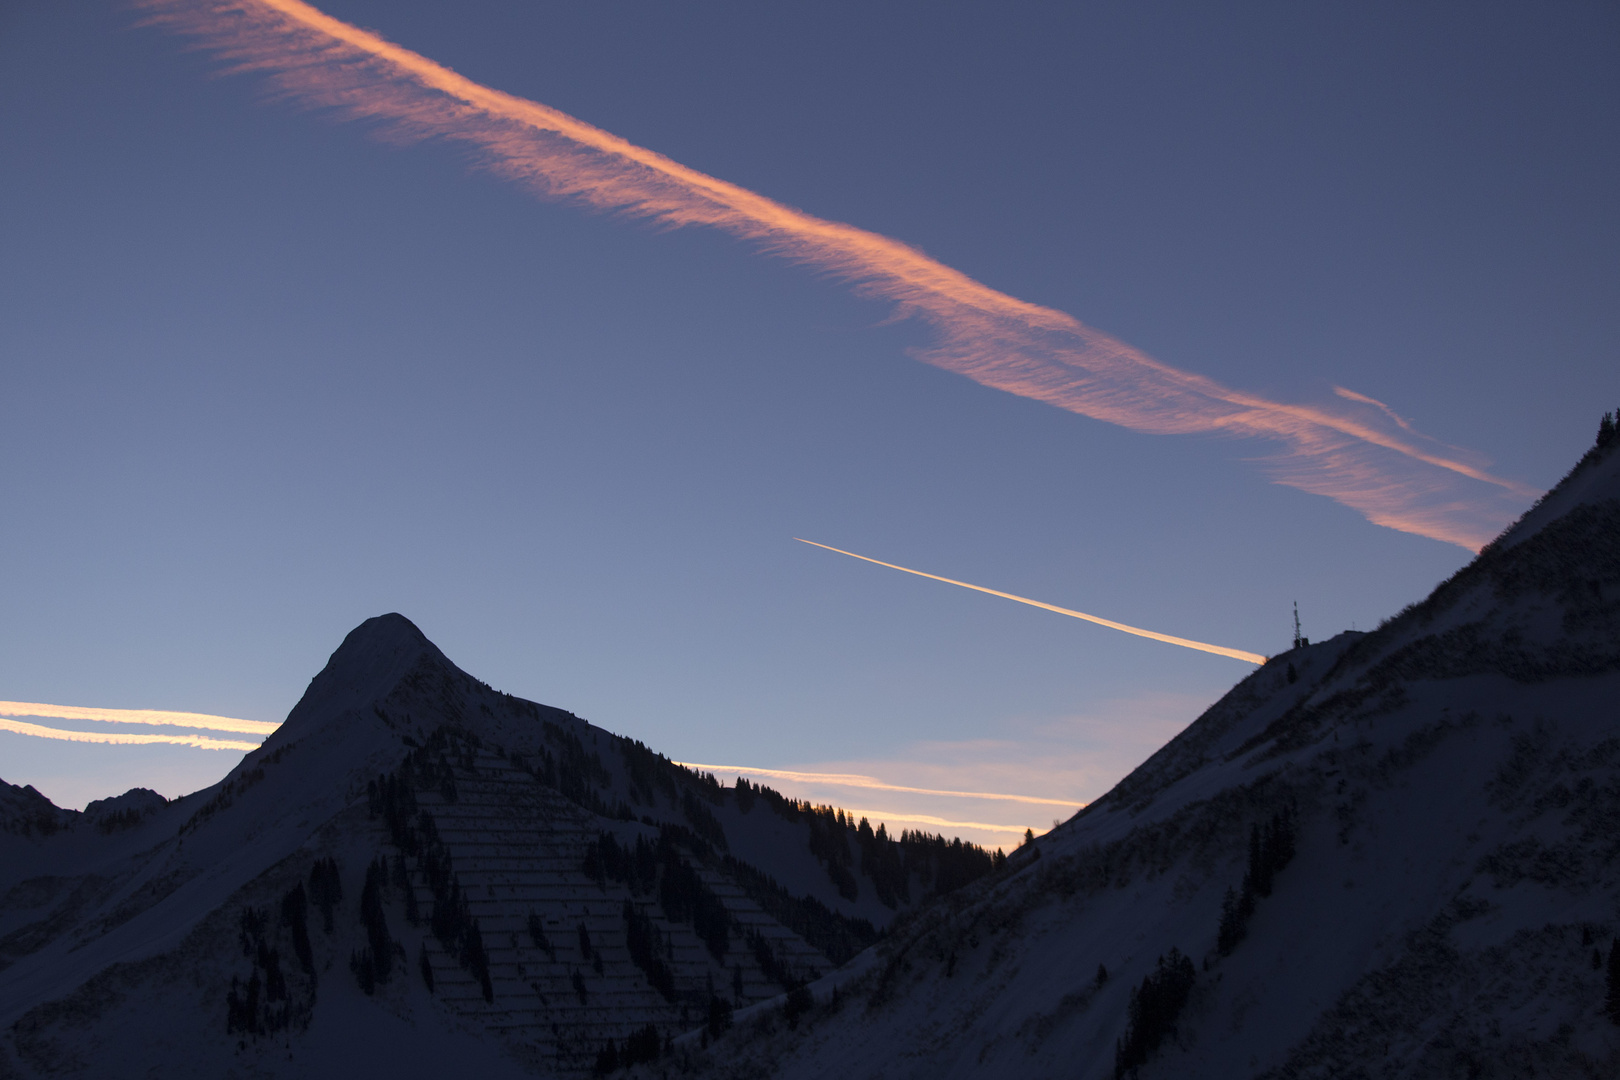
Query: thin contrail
[(1186, 643), (1348, 449), (201, 742), (858, 781), (138, 716)]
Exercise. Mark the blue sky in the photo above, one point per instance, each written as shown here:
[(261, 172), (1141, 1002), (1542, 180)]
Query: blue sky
[(268, 374)]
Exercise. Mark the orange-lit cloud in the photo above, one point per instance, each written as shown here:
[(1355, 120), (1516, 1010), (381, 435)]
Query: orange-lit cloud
[(1351, 449), (156, 717), (1351, 395), (201, 742), (856, 780), (1186, 643)]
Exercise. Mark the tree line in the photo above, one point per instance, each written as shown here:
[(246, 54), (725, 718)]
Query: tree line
[(933, 863), (642, 1045)]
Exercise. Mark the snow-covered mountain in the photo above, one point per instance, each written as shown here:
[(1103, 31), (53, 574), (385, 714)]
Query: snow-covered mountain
[(1387, 854), (417, 869), (1392, 854)]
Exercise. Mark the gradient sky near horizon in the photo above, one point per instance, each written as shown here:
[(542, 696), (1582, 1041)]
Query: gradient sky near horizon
[(268, 375)]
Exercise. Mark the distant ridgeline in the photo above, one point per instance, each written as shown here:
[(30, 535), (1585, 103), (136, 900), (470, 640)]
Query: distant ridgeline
[(1394, 853)]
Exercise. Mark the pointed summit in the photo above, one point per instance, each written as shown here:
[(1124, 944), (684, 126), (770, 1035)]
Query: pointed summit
[(372, 660)]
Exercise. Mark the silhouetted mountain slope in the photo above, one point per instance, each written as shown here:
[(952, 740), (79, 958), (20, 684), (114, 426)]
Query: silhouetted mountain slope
[(1388, 854), (453, 870)]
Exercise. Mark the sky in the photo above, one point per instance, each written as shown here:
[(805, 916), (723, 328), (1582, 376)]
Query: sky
[(1168, 314)]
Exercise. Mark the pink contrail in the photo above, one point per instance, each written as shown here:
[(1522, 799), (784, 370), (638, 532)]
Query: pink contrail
[(1169, 639), (1349, 450)]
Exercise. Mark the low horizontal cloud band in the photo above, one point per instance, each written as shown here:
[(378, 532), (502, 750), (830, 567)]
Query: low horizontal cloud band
[(201, 742), (156, 717), (856, 780)]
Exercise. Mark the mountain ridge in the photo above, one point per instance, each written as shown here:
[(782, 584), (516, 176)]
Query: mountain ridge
[(1392, 853), (486, 813), (1450, 789)]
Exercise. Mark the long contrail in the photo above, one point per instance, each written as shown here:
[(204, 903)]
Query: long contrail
[(1349, 449), (1186, 643), (138, 716), (856, 780), (201, 742)]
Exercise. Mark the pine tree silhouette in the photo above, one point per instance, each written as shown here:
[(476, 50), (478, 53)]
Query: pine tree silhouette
[(1608, 427), (1612, 1002), (1154, 1009)]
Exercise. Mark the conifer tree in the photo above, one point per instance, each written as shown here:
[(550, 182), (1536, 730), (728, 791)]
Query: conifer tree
[(1234, 925), (325, 888), (537, 934), (607, 1059), (584, 942), (371, 914), (719, 1015), (295, 916), (1154, 1009), (642, 1045), (1612, 1002), (799, 1001), (475, 960)]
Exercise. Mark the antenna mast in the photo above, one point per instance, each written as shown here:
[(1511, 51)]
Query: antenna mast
[(1298, 641)]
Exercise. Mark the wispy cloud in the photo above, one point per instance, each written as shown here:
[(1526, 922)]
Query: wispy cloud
[(856, 780), (1351, 395), (201, 742), (1186, 643), (1054, 764), (156, 717), (1352, 449)]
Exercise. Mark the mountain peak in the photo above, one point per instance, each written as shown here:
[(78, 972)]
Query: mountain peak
[(365, 668)]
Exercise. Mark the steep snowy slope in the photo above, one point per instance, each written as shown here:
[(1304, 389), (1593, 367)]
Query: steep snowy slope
[(418, 860), (1388, 854)]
